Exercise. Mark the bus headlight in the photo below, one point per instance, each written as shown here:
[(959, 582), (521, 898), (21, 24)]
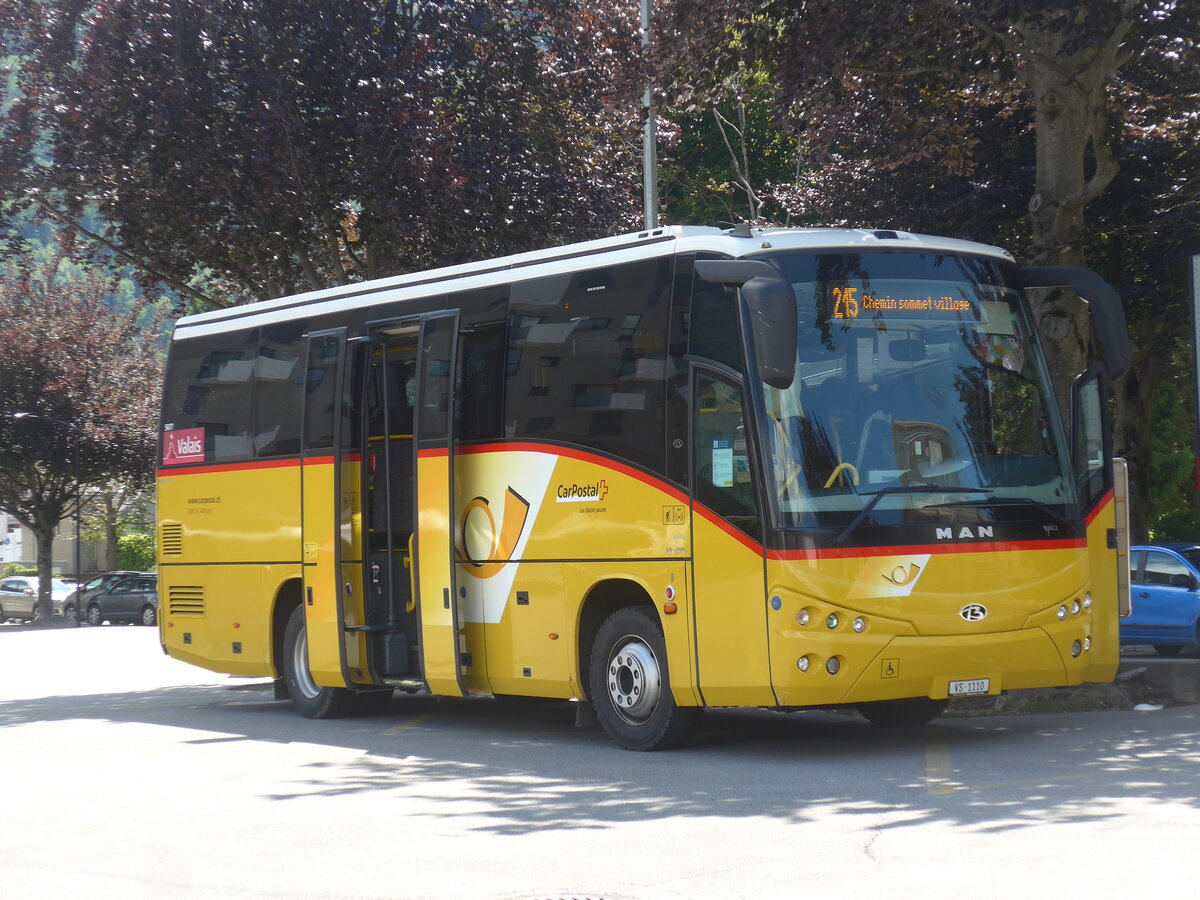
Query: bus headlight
[(833, 665), (802, 617), (832, 621), (1076, 649), (803, 663), (1062, 613), (859, 625), (1087, 601)]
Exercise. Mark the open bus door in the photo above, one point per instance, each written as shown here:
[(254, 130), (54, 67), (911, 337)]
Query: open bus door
[(329, 502), (442, 632), (408, 477)]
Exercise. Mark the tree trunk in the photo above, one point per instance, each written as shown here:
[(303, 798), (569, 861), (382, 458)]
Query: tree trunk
[(1056, 210), (1072, 120), (44, 538)]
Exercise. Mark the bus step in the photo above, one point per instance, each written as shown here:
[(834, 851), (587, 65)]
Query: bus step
[(394, 655), (408, 685)]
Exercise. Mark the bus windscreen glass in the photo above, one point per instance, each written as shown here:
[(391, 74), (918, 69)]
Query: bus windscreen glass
[(919, 387)]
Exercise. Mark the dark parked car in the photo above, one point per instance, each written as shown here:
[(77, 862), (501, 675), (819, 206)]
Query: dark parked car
[(132, 599), (1166, 597), (71, 605)]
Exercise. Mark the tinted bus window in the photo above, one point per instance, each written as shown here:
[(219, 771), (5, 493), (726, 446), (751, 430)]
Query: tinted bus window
[(210, 386), (278, 390), (587, 358)]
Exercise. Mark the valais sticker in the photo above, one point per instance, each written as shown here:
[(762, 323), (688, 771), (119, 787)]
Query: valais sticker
[(183, 446)]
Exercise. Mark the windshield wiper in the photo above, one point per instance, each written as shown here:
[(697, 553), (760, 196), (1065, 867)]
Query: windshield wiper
[(876, 496)]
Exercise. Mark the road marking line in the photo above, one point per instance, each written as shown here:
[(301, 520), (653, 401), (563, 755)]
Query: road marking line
[(939, 770)]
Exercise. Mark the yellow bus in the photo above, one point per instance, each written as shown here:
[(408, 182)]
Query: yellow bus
[(657, 472)]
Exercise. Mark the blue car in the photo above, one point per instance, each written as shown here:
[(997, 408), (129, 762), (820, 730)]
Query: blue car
[(1166, 597)]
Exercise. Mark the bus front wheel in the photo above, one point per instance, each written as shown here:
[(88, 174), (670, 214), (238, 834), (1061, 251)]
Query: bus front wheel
[(311, 701), (630, 685)]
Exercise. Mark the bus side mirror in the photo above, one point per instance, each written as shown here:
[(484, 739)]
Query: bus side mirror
[(771, 305), (1103, 302)]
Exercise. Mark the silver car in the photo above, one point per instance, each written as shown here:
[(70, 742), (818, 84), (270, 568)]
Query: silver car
[(18, 595)]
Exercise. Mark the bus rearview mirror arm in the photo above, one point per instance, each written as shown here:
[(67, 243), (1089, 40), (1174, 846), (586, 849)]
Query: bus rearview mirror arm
[(771, 302), (1104, 303)]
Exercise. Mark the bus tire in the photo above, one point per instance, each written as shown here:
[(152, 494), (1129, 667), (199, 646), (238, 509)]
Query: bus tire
[(631, 687), (311, 701), (901, 713)]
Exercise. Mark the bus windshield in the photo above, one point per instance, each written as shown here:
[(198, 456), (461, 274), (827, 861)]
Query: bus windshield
[(919, 387)]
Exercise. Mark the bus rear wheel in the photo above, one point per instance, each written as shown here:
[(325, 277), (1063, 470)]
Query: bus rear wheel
[(899, 713), (630, 685), (311, 701)]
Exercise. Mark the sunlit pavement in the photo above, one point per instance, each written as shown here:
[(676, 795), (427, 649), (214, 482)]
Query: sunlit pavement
[(129, 774)]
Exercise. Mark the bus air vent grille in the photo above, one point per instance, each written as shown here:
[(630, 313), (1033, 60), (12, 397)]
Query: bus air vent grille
[(172, 539), (185, 600)]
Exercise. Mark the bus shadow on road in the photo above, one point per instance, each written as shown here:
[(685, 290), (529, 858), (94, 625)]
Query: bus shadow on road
[(534, 770)]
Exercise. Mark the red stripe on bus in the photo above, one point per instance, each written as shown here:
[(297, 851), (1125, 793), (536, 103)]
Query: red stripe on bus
[(740, 536), (1099, 507), (698, 508), (579, 455), (931, 549)]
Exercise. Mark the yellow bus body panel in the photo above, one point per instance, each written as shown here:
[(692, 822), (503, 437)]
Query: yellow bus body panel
[(442, 634), (219, 617), (229, 539), (730, 612), (322, 577), (1105, 656), (915, 638), (538, 530)]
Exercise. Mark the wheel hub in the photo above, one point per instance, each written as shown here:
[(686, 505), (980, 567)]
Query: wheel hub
[(304, 680), (634, 680)]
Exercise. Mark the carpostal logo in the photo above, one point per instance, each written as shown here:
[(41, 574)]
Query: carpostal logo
[(581, 493), (185, 445)]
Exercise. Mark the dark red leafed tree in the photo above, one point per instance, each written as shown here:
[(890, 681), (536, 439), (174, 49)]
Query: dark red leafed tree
[(69, 356), (280, 146)]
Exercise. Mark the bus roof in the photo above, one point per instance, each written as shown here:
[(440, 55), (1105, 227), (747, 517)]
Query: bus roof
[(737, 242)]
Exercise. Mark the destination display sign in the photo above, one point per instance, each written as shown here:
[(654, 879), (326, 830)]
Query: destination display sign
[(854, 303)]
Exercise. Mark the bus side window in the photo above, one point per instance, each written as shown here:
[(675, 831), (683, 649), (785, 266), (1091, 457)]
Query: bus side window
[(715, 332), (724, 476), (211, 386), (320, 386), (587, 359), (278, 390)]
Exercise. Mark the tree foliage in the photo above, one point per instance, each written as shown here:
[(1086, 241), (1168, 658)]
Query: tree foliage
[(286, 146), (1065, 131), (87, 378)]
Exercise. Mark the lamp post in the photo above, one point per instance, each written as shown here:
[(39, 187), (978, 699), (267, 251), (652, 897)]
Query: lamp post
[(78, 491)]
